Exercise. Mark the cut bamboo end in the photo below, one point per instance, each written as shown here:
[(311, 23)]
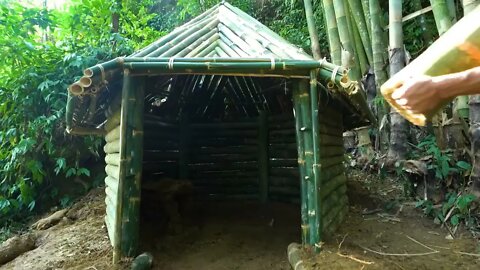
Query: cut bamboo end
[(85, 82), (76, 89)]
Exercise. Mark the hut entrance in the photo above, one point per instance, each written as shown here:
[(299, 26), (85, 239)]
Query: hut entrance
[(220, 169)]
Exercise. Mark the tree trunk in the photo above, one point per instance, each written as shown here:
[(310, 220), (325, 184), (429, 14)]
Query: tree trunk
[(16, 246), (474, 105), (399, 125), (379, 68), (312, 30)]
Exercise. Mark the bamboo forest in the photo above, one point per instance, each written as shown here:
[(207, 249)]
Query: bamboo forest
[(239, 134)]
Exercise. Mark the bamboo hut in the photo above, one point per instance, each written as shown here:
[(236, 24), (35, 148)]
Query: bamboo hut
[(230, 105)]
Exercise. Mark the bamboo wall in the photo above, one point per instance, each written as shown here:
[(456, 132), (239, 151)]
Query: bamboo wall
[(112, 158), (284, 177), (223, 160), (333, 191)]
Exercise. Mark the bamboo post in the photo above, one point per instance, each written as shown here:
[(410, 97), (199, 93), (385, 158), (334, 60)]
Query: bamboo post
[(263, 155), (306, 129), (184, 147), (133, 177), (298, 113), (126, 90), (317, 172)]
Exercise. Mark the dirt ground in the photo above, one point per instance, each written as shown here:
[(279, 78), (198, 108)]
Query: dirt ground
[(248, 235)]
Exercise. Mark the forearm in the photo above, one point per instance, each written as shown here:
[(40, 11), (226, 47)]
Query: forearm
[(458, 84)]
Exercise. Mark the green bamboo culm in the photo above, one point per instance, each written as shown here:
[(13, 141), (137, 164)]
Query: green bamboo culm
[(360, 52), (399, 125), (442, 15), (312, 30), (381, 76), (345, 37), (332, 31), (362, 27), (299, 125), (368, 18)]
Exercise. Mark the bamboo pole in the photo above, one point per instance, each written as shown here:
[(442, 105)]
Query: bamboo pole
[(399, 125), (300, 138), (368, 19), (312, 30), (117, 241), (442, 15), (317, 170), (358, 16), (346, 37), (133, 177), (333, 36)]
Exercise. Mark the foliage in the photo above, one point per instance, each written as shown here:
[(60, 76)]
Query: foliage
[(41, 52), (441, 162), (456, 207)]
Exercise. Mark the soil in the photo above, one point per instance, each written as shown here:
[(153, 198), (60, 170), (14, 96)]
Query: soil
[(247, 235)]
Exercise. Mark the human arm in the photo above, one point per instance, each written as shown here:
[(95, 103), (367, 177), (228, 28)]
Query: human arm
[(426, 94)]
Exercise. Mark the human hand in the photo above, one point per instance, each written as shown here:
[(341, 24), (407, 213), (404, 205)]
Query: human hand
[(422, 94)]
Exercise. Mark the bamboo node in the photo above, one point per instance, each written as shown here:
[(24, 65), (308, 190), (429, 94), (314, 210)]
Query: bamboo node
[(334, 74), (303, 128), (309, 153), (307, 177), (301, 161), (311, 213), (272, 62)]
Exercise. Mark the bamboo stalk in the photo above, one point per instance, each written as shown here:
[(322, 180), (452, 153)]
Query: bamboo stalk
[(358, 16), (333, 36), (312, 30), (300, 138)]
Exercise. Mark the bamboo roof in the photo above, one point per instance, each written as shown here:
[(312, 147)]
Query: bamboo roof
[(223, 31), (224, 46)]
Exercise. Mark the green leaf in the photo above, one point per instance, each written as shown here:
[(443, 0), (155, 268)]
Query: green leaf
[(464, 165), (455, 220), (83, 171), (70, 172), (60, 165)]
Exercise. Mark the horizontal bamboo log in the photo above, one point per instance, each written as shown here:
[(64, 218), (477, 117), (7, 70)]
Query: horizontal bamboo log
[(296, 255), (199, 142), (113, 171), (333, 171), (339, 209), (337, 221), (113, 135), (284, 172), (224, 133), (283, 162), (153, 123), (284, 146), (332, 161), (198, 158), (281, 118), (112, 183), (227, 197), (332, 184), (224, 125), (223, 166), (226, 190), (241, 149), (113, 159), (160, 164), (285, 191), (113, 121), (225, 174), (334, 199), (329, 140), (152, 155), (332, 151), (284, 198), (225, 182), (283, 132), (281, 125), (279, 181), (112, 147)]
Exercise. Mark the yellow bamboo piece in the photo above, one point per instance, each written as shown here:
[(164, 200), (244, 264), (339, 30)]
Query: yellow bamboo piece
[(457, 50)]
